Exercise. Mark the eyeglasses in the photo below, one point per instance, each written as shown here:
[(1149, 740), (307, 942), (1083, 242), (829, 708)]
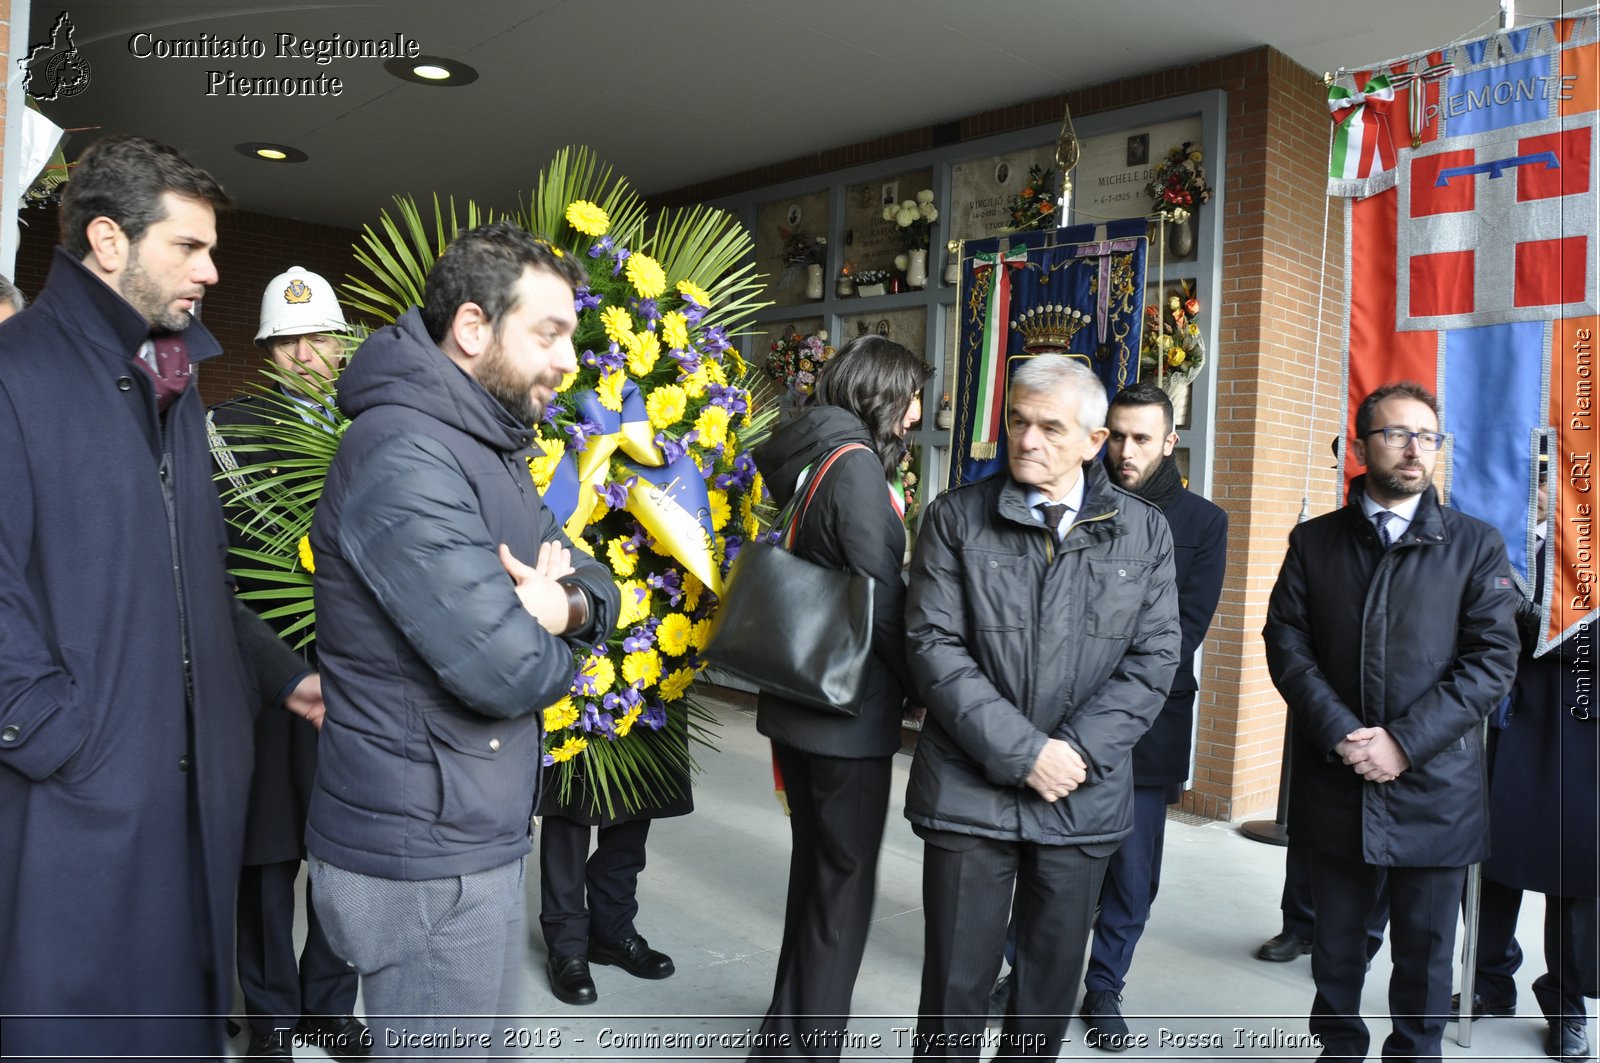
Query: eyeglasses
[(1400, 438)]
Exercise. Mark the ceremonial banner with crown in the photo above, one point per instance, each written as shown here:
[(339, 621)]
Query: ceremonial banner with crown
[(1077, 291), (1471, 267)]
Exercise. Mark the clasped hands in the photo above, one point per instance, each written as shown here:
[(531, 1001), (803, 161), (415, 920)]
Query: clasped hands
[(1058, 771), (540, 594), (1374, 754)]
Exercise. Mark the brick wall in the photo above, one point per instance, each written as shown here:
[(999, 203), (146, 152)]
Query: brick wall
[(251, 250), (1268, 417)]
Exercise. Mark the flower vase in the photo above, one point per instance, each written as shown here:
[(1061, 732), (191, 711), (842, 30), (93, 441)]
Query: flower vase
[(1181, 237), (1177, 388), (917, 270), (814, 281)]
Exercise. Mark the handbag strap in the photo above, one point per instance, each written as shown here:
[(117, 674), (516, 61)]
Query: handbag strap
[(811, 489)]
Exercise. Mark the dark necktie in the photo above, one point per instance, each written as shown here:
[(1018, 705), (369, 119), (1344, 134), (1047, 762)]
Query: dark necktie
[(1053, 513), (167, 363), (1382, 519)]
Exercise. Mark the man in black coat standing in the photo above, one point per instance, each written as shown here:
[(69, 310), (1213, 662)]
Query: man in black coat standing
[(1139, 458), (300, 331), (128, 669), (1544, 772), (1391, 635), (1042, 626)]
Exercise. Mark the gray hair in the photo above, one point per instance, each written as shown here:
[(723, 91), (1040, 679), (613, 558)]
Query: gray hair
[(10, 294), (1071, 380)]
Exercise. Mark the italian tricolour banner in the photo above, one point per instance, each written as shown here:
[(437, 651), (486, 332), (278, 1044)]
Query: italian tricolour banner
[(1474, 272)]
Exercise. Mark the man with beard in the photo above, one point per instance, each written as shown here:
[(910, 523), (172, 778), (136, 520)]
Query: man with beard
[(1139, 459), (129, 671), (1391, 634), (438, 645)]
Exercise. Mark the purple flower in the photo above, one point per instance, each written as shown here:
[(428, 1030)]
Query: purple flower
[(581, 431), (692, 311), (618, 257), (616, 494), (668, 582), (554, 410), (638, 641), (549, 761), (734, 400), (715, 339), (730, 550), (600, 247), (671, 449), (586, 300), (744, 470), (593, 720), (654, 717), (646, 309)]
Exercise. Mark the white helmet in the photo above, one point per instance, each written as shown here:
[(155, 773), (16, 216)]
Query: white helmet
[(297, 303)]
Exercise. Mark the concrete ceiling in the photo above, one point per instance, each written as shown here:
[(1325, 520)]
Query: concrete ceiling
[(670, 92)]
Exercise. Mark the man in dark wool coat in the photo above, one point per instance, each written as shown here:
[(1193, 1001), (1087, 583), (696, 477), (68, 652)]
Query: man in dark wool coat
[(1391, 634), (128, 670)]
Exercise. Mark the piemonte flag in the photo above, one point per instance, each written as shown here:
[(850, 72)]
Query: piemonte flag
[(1475, 275)]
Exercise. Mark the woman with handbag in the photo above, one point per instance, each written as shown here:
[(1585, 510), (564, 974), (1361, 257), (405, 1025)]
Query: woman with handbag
[(836, 765)]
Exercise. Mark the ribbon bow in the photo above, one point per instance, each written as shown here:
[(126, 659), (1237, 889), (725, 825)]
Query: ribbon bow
[(1362, 147)]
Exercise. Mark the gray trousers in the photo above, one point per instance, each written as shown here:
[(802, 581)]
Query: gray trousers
[(439, 959)]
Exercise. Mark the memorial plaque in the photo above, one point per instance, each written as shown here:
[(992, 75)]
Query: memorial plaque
[(1109, 180), (776, 223), (981, 191), (870, 242)]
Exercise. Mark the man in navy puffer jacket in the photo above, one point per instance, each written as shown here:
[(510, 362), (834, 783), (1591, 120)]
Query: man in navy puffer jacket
[(439, 645)]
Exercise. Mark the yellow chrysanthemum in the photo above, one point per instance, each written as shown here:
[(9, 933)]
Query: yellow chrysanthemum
[(618, 324), (721, 512), (569, 749), (676, 684), (694, 384), (623, 562), (700, 634), (758, 487), (567, 381), (307, 561), (740, 366), (659, 548), (691, 290), (626, 721), (641, 669), (675, 331), (712, 424), (600, 511), (665, 406), (609, 390), (673, 634), (646, 275), (643, 350), (635, 603), (747, 518), (599, 668), (587, 218), (543, 466), (714, 372), (561, 715), (691, 591)]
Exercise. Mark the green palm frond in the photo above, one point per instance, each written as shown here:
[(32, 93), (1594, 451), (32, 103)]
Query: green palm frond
[(400, 256), (576, 173)]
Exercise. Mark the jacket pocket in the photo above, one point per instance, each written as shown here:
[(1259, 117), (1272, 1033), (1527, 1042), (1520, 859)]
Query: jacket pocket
[(1115, 593), (487, 773), (992, 580)]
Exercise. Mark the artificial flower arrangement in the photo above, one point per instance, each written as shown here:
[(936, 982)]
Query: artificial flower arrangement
[(1034, 207), (796, 358), (1179, 182), (643, 455), (1172, 339), (914, 220)]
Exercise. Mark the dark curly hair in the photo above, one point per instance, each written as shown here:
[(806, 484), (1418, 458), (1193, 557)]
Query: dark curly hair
[(483, 266)]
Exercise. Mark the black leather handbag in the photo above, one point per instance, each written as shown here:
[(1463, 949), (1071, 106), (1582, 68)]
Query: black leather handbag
[(792, 627)]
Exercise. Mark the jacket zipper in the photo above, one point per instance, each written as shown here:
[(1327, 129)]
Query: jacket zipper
[(168, 499)]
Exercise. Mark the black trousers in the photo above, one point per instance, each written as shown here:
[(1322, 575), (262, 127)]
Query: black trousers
[(1423, 905), (967, 892), (1298, 917), (837, 809), (1571, 950), (583, 896), (278, 990)]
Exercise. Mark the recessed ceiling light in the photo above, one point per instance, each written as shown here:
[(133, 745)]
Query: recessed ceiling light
[(268, 152), (431, 70)]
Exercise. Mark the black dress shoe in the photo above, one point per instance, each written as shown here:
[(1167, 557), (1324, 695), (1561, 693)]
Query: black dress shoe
[(1567, 1041), (570, 981), (1101, 1011), (633, 955), (1483, 1009), (269, 1044), (1283, 948), (341, 1036)]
